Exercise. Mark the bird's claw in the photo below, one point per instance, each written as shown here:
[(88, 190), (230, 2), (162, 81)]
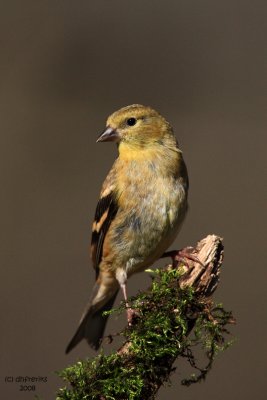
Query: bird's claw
[(131, 315), (182, 256)]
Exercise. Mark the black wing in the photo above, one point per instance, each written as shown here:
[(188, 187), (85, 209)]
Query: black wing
[(105, 212)]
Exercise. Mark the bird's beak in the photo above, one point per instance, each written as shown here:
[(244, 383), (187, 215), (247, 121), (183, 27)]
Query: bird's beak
[(109, 135)]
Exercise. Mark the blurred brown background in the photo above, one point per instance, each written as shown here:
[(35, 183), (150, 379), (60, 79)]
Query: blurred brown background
[(64, 67)]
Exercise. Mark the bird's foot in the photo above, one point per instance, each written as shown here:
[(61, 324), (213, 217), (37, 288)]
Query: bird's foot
[(182, 256), (132, 314)]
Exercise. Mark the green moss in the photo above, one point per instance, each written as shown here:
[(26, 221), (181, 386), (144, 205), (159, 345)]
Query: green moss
[(166, 316)]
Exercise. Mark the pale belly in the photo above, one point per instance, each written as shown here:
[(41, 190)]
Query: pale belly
[(145, 232)]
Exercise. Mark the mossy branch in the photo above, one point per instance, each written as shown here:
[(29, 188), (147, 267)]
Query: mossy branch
[(177, 304)]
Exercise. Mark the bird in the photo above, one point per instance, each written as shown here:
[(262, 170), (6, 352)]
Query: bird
[(142, 205)]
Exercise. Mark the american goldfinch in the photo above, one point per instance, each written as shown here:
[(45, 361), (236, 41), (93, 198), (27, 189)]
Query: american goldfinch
[(142, 205)]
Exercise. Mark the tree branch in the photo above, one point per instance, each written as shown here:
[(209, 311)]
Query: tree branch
[(177, 304)]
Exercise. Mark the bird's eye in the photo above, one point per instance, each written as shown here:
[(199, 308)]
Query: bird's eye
[(131, 121)]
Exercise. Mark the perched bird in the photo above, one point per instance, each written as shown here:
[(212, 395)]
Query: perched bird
[(142, 205)]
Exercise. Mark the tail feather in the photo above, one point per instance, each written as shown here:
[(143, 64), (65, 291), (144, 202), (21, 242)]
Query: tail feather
[(92, 325)]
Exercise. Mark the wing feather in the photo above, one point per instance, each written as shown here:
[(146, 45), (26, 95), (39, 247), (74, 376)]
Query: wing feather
[(106, 210)]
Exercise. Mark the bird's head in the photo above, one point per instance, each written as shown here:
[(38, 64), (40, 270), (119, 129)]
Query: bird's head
[(137, 127)]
